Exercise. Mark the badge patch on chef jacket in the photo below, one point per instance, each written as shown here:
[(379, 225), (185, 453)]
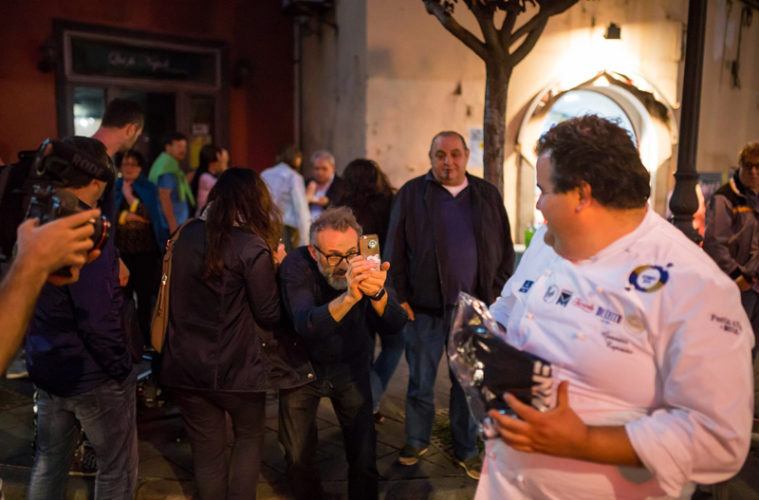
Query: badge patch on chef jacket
[(526, 286), (550, 293), (564, 297), (648, 278)]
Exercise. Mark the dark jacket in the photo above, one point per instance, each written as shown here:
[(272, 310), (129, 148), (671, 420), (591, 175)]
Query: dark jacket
[(75, 341), (732, 230), (220, 335), (147, 192), (413, 243), (332, 347)]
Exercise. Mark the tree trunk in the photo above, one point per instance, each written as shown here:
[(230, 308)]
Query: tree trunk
[(494, 125)]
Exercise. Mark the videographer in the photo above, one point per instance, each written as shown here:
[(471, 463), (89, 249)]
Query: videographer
[(77, 357), (41, 251)]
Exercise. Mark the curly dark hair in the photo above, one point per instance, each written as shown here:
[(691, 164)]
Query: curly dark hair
[(595, 151), (238, 199)]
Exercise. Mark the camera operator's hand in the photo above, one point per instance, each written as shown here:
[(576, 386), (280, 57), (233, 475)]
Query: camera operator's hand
[(123, 273), (60, 243)]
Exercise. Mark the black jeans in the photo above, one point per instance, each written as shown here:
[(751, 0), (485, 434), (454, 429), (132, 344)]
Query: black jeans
[(204, 418), (351, 398)]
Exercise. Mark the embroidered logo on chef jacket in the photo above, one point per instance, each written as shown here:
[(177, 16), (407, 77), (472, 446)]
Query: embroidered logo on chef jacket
[(634, 323), (526, 286), (608, 316), (585, 306), (550, 293), (729, 325), (648, 278), (616, 343), (564, 297)]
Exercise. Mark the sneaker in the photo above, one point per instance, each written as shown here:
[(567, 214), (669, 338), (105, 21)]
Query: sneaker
[(472, 466), (410, 455), (17, 368)]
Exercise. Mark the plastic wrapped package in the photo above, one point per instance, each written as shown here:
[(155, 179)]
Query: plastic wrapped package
[(487, 367)]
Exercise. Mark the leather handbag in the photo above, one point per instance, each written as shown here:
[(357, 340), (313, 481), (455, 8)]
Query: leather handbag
[(160, 321)]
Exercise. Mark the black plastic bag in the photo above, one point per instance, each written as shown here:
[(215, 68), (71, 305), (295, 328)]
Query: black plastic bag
[(487, 367)]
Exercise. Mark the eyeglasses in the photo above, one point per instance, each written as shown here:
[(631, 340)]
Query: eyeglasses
[(748, 165), (335, 260)]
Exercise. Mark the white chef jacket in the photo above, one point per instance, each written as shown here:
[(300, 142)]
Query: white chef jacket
[(651, 335)]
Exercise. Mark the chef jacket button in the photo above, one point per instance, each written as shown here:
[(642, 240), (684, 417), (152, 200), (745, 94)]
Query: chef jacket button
[(548, 272), (580, 336), (599, 290), (529, 315), (520, 478)]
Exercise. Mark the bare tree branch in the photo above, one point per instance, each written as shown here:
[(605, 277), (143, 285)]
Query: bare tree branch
[(484, 15), (547, 9), (529, 42), (504, 33), (435, 8)]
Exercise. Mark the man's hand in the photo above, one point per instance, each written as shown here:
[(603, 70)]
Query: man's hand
[(280, 254), (557, 432), (743, 284), (358, 270), (406, 307), (560, 432), (374, 280), (123, 273), (130, 217), (60, 243)]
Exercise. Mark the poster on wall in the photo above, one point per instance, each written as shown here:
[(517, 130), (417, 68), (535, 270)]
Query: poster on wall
[(476, 145)]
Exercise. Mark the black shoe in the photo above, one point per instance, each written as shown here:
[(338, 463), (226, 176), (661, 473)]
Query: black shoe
[(410, 455)]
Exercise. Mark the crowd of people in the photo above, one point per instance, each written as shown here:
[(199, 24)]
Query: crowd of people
[(269, 291)]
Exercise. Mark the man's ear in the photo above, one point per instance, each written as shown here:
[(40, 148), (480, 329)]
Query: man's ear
[(130, 129), (312, 252), (584, 196)]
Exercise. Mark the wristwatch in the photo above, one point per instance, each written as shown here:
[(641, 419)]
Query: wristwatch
[(378, 295)]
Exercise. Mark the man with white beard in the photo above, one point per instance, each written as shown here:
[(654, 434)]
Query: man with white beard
[(335, 300)]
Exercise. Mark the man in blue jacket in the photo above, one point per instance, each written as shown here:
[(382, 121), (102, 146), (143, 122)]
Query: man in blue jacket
[(448, 232), (78, 360)]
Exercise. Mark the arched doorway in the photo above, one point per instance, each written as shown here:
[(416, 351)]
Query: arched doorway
[(631, 101)]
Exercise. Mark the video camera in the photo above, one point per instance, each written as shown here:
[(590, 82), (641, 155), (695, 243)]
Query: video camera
[(32, 188)]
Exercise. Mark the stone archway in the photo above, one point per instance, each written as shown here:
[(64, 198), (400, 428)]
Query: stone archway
[(648, 115)]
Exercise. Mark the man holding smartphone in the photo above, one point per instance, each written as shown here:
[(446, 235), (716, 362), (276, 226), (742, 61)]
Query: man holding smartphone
[(335, 299)]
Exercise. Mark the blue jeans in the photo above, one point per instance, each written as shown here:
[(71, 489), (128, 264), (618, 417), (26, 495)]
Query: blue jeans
[(107, 415), (426, 340), (384, 366), (351, 399)]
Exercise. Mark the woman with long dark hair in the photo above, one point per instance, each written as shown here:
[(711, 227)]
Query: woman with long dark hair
[(224, 306), (368, 193)]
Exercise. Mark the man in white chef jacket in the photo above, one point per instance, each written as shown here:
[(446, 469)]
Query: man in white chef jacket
[(649, 343)]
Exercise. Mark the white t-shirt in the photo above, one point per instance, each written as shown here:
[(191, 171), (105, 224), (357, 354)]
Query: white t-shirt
[(651, 335)]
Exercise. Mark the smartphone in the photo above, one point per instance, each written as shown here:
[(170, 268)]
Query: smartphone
[(369, 247)]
